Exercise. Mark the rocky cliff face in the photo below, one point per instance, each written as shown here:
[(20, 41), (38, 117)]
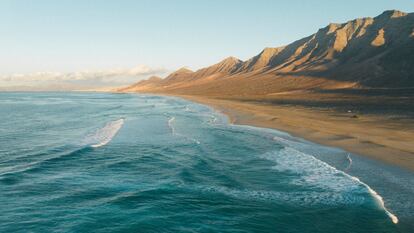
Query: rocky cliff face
[(366, 52)]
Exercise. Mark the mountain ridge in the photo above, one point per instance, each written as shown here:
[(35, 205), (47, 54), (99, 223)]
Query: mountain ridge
[(366, 52)]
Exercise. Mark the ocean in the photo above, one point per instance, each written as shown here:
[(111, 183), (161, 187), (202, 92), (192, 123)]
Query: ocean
[(98, 162)]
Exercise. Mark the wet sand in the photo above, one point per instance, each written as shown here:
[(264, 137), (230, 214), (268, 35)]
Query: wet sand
[(384, 137)]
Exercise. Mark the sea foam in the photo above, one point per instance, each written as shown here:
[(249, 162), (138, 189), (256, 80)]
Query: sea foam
[(104, 135), (319, 173)]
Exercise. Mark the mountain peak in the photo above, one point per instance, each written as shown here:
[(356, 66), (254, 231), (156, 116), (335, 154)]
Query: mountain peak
[(392, 14), (364, 52), (183, 70), (262, 60), (154, 78), (179, 75), (228, 65), (230, 61)]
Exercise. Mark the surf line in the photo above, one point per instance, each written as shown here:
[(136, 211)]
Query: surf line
[(373, 193), (174, 133), (393, 217)]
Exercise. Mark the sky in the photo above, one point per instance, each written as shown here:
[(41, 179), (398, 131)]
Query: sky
[(69, 38)]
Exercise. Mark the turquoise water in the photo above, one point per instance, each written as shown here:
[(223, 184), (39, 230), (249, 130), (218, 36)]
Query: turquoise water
[(80, 162)]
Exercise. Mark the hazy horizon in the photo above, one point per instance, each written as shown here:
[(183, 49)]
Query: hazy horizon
[(117, 43)]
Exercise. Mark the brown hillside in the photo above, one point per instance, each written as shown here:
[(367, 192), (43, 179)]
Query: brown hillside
[(362, 53)]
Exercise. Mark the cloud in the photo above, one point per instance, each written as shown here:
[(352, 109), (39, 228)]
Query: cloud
[(87, 79)]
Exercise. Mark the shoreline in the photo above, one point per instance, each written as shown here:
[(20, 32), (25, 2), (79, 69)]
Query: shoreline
[(375, 137)]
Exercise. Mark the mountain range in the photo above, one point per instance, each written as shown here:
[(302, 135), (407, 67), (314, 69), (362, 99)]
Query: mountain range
[(365, 53)]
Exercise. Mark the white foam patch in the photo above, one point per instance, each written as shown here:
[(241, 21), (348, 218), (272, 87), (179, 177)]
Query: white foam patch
[(282, 140), (187, 109), (310, 171), (104, 135), (301, 198), (313, 172), (213, 119)]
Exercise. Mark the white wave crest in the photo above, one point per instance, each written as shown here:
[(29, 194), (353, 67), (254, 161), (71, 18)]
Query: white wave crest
[(307, 198), (104, 135), (315, 172)]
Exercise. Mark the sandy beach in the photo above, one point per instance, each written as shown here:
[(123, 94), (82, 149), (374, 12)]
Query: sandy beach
[(378, 136)]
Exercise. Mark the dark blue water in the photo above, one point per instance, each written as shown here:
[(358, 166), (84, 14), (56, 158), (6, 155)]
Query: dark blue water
[(83, 162)]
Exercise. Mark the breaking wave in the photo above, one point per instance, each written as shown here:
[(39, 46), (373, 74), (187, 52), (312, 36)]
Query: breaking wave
[(304, 161), (104, 135), (304, 198), (314, 172)]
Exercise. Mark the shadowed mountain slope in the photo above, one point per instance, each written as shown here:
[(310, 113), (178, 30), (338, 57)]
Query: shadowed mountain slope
[(362, 53)]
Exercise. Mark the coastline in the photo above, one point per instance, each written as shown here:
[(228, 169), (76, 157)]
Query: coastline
[(376, 137)]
